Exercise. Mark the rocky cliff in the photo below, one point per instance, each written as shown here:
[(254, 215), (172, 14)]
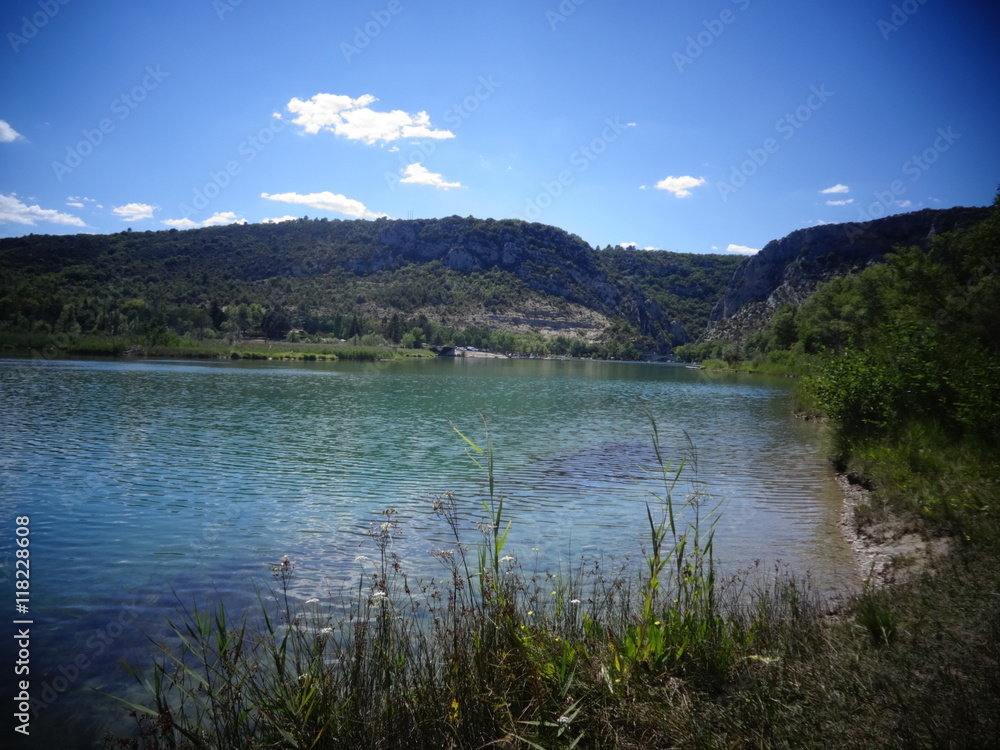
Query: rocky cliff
[(788, 270)]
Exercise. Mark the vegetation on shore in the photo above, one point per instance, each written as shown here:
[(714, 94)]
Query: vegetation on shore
[(117, 346)]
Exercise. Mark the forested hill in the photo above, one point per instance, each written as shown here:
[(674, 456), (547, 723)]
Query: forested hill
[(787, 271), (360, 277)]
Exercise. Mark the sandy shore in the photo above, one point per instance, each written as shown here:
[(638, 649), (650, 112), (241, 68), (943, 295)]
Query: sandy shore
[(888, 550)]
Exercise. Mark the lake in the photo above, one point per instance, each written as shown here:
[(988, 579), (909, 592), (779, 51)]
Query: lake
[(149, 485)]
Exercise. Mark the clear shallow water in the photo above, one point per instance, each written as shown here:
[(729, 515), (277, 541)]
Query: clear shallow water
[(154, 483)]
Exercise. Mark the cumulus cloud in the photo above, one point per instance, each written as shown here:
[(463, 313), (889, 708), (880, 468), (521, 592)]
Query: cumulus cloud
[(680, 186), (223, 217), (326, 201), (635, 246), (354, 119), (181, 223), (134, 211), (74, 204), (845, 202), (7, 133), (742, 249), (279, 219), (417, 174), (13, 211), (838, 188), (216, 219)]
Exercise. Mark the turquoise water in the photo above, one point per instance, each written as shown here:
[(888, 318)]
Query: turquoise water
[(155, 484)]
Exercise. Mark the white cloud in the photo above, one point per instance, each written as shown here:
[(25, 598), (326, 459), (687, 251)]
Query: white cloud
[(14, 211), (326, 201), (74, 204), (354, 119), (680, 186), (279, 219), (845, 202), (904, 204), (417, 174), (224, 217), (134, 211), (838, 188), (216, 219), (180, 223), (7, 133), (741, 249)]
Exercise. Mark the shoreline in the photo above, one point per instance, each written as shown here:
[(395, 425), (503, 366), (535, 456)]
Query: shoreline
[(887, 548)]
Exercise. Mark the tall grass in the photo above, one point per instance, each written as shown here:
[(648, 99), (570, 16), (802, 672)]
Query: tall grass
[(493, 655)]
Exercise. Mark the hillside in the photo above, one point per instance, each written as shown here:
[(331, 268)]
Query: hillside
[(457, 280), (351, 277), (788, 270)]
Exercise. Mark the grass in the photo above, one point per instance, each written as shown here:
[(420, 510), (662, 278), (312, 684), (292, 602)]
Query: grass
[(781, 363), (57, 345), (664, 655)]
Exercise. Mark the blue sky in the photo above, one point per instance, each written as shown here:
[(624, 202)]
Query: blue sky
[(688, 126)]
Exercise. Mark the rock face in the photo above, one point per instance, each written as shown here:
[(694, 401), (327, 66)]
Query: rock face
[(548, 259), (788, 270)]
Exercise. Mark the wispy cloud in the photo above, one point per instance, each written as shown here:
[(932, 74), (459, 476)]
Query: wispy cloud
[(354, 119), (417, 174), (742, 249), (845, 202), (134, 211), (680, 186), (326, 201), (838, 188), (13, 211), (7, 133)]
